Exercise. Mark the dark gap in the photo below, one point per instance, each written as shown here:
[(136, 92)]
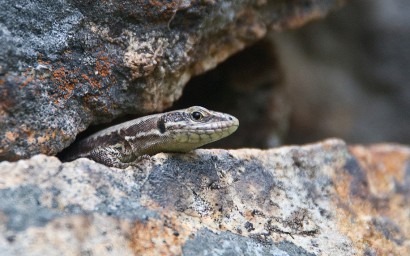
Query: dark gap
[(249, 86)]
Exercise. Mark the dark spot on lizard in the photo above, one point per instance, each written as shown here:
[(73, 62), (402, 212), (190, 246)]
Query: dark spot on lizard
[(161, 125)]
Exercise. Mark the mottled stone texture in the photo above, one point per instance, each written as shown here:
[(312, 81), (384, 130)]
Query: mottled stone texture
[(319, 199), (67, 64)]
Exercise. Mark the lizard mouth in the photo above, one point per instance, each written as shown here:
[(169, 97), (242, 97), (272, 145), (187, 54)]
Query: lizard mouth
[(206, 133)]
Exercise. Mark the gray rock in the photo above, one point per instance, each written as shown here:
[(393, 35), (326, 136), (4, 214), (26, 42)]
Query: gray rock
[(349, 74), (319, 199), (67, 64)]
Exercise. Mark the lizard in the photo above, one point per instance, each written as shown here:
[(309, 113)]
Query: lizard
[(178, 131)]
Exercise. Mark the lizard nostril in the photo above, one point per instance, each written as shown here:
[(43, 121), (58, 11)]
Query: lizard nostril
[(230, 118)]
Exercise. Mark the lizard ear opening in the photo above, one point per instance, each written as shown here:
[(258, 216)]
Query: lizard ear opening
[(161, 125)]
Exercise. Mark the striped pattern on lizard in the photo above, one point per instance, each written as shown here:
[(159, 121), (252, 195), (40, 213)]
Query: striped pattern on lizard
[(176, 131)]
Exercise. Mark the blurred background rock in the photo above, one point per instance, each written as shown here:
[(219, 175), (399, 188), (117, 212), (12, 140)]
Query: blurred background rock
[(348, 75)]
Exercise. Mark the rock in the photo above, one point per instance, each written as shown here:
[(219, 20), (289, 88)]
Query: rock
[(319, 199), (348, 76), (67, 64)]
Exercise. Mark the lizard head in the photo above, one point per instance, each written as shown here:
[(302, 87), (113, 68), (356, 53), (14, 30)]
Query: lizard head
[(193, 127)]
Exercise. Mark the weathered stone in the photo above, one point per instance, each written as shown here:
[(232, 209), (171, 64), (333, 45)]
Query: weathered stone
[(319, 199), (67, 64)]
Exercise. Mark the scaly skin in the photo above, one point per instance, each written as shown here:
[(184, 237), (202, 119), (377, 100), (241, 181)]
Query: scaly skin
[(176, 131)]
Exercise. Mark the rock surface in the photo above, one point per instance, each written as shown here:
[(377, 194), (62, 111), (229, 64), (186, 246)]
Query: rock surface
[(318, 199), (67, 64)]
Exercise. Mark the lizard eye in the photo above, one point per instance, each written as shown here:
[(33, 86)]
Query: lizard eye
[(197, 115)]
